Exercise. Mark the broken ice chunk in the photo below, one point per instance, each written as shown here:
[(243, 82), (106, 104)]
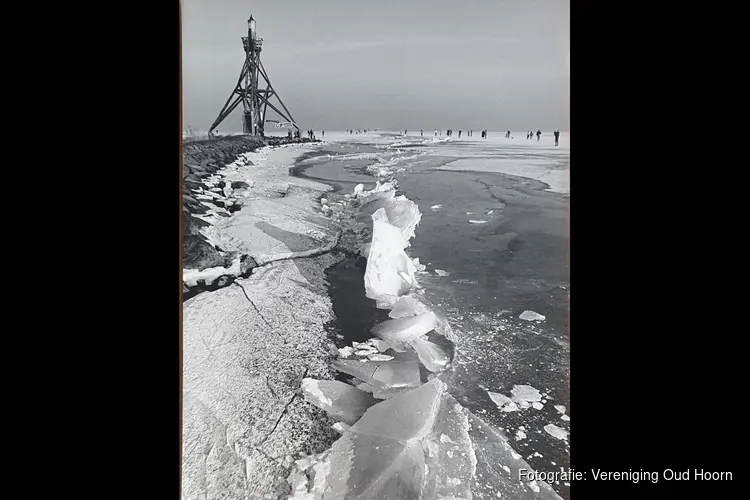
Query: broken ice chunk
[(532, 316), (436, 207), (440, 272), (407, 306), (499, 399), (386, 377), (560, 408), (345, 352), (341, 427), (389, 272), (379, 357), (503, 402), (431, 355), (520, 435), (555, 431), (408, 417), (525, 394), (379, 344), (341, 401), (537, 406), (359, 188), (405, 329), (565, 418), (478, 221)]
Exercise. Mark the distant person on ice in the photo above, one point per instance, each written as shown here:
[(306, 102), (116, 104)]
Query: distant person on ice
[(557, 137), (459, 134), (538, 134), (421, 133), (323, 133)]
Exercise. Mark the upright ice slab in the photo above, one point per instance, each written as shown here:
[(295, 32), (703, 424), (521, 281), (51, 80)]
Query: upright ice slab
[(390, 273)]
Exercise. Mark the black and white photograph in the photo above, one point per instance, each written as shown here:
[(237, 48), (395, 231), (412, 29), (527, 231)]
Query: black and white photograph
[(375, 249)]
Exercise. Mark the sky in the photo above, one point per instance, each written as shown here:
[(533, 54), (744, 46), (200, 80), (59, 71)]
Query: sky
[(386, 64)]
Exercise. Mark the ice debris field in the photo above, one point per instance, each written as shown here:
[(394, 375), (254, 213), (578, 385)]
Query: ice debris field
[(402, 434)]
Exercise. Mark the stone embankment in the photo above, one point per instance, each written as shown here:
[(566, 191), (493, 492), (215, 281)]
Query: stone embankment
[(258, 240), (201, 160)]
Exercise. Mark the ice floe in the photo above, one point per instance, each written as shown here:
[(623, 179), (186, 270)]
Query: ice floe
[(556, 432), (532, 316)]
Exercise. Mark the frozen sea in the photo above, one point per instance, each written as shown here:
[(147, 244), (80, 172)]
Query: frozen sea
[(494, 235)]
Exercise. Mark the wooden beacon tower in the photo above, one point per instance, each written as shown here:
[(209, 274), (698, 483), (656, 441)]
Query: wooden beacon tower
[(254, 100)]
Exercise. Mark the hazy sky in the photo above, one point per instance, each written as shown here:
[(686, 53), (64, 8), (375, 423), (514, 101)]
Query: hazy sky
[(387, 64)]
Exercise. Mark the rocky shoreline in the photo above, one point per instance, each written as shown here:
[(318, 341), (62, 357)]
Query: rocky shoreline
[(261, 329), (201, 159)]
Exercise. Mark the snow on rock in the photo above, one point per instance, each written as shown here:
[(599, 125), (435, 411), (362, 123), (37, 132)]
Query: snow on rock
[(341, 401), (556, 432), (532, 316), (406, 329), (191, 276)]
